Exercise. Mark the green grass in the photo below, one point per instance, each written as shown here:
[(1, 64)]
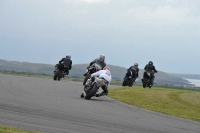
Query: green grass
[(4, 129), (180, 103)]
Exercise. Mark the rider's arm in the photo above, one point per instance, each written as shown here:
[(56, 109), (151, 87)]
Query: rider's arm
[(154, 69), (145, 67), (129, 68), (137, 72), (70, 65), (96, 73), (104, 65), (93, 62), (61, 60)]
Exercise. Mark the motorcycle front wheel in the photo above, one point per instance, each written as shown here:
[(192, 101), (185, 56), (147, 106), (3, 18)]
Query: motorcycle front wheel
[(144, 83), (57, 75), (92, 92), (125, 81)]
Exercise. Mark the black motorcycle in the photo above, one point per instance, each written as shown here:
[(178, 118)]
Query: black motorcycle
[(128, 79), (146, 80), (59, 72), (91, 69)]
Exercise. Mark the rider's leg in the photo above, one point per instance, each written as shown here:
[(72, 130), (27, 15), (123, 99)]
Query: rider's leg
[(104, 93), (56, 67), (66, 71), (134, 75), (152, 78)]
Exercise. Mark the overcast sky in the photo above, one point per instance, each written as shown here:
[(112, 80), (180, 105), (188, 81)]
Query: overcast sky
[(166, 32)]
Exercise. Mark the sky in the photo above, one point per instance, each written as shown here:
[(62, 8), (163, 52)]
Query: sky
[(166, 32)]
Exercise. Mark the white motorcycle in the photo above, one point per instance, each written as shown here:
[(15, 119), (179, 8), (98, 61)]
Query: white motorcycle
[(91, 88)]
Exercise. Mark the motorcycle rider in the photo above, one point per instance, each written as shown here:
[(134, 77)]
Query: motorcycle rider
[(100, 61), (135, 71), (104, 74), (151, 69), (67, 63)]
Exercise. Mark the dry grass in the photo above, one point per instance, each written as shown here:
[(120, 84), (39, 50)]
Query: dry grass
[(4, 129)]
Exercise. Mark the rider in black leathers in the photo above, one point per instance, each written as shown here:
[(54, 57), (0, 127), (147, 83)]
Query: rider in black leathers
[(100, 61), (151, 69), (67, 63), (135, 71)]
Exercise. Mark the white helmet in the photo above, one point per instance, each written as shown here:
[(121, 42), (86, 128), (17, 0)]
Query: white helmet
[(68, 56), (136, 64), (102, 57)]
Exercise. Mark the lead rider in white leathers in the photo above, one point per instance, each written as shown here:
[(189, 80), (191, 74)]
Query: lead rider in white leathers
[(102, 74), (105, 74)]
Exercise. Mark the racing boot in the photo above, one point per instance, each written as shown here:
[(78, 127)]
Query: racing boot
[(82, 95), (151, 80), (67, 72), (104, 93)]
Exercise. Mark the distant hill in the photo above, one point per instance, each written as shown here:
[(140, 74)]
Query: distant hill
[(78, 70)]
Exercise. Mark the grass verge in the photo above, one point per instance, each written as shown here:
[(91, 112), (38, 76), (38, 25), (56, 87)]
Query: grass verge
[(180, 103), (4, 129)]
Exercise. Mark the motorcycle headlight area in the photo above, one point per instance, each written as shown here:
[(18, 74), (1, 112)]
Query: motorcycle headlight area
[(148, 74)]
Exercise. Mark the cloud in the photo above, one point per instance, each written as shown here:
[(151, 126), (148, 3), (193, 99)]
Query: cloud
[(88, 1), (96, 1), (162, 15), (170, 0)]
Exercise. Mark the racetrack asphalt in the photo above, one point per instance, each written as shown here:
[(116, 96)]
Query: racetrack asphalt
[(50, 106)]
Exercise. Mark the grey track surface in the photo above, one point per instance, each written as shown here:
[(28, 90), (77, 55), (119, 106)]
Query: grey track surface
[(56, 107)]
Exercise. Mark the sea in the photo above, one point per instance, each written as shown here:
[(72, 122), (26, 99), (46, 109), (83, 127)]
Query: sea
[(195, 82)]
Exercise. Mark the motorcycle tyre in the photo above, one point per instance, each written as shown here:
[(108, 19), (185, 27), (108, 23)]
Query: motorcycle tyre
[(144, 83), (125, 81), (57, 75), (92, 92)]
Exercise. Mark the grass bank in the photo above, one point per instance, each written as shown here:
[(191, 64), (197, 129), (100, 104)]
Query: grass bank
[(4, 129), (180, 103)]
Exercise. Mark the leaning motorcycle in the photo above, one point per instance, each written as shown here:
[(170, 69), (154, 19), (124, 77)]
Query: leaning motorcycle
[(59, 72), (128, 79), (91, 69), (91, 88), (146, 80)]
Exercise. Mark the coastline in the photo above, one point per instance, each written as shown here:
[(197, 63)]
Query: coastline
[(195, 82)]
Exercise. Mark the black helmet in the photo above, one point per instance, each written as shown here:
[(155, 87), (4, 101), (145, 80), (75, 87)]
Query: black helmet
[(150, 63)]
